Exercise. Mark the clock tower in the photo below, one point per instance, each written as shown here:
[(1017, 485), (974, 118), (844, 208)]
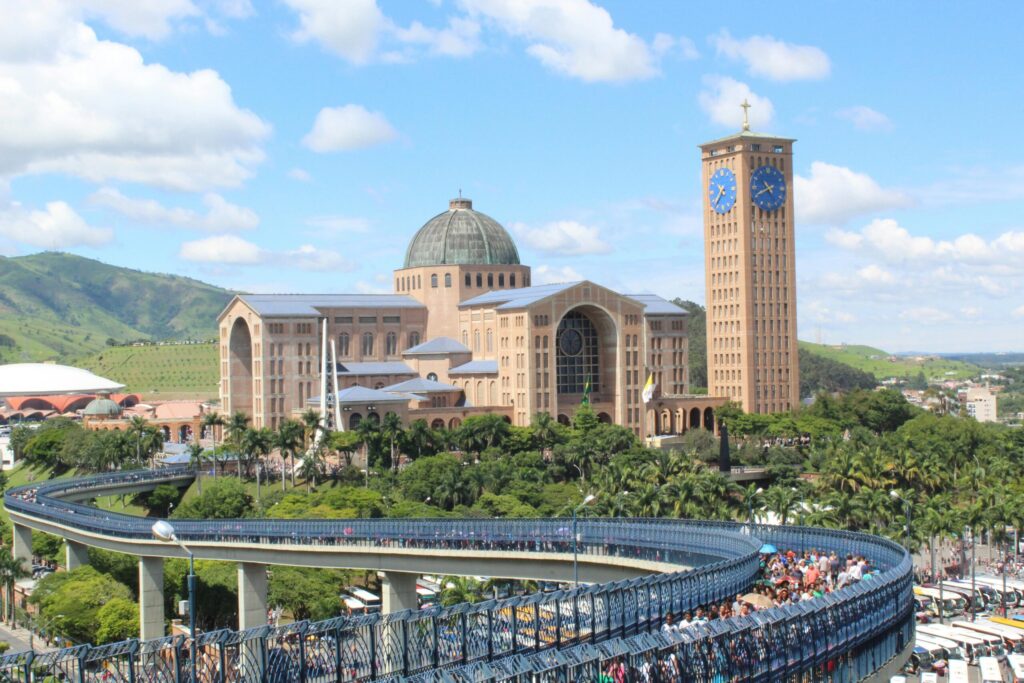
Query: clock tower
[(750, 270)]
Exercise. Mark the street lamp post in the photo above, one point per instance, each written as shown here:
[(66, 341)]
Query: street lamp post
[(163, 531), (575, 539)]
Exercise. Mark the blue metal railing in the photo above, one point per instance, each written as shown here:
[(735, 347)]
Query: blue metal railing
[(564, 635)]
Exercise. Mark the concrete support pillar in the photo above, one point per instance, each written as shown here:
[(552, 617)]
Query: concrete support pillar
[(22, 546), (151, 598), (75, 555), (398, 591), (252, 595)]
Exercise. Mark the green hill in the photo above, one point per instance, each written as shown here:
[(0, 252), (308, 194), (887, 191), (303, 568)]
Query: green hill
[(883, 365), (159, 372), (56, 306)]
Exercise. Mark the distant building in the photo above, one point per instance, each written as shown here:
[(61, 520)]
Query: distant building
[(981, 404)]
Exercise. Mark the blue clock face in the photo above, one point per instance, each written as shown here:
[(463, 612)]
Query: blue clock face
[(722, 190), (768, 188)]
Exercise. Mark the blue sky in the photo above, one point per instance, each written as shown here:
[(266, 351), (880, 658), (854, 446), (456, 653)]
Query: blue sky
[(297, 145)]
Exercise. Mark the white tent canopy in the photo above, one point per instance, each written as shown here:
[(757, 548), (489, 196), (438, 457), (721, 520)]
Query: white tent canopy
[(43, 379)]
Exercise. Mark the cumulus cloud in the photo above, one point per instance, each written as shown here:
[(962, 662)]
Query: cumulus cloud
[(1018, 312), (360, 33), (665, 44), (221, 215), (768, 57), (71, 103), (572, 37), (152, 19), (233, 250), (832, 195), (565, 238), (546, 275), (865, 118), (300, 174), (721, 99), (58, 226), (820, 312), (894, 243), (926, 315), (347, 128)]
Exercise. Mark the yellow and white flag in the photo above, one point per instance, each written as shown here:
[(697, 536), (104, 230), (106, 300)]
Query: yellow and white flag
[(648, 392)]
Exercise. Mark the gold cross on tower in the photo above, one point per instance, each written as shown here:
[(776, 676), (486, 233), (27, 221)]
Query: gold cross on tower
[(746, 108)]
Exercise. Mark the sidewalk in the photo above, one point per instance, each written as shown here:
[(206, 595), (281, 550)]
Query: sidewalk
[(19, 639)]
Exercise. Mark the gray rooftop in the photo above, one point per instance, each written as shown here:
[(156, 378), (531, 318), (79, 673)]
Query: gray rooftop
[(437, 345), (518, 298), (419, 385), (360, 394), (476, 367), (655, 305), (746, 135), (289, 305), (461, 235), (374, 368)]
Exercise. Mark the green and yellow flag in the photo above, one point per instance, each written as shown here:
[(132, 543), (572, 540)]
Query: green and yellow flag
[(586, 391)]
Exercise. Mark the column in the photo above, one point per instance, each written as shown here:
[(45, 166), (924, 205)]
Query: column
[(75, 555), (151, 598), (252, 595), (398, 591), (22, 546)]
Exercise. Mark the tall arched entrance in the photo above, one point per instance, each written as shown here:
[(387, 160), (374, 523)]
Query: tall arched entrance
[(240, 367), (586, 359)]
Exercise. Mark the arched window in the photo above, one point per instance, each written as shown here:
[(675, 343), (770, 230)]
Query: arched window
[(490, 279), (501, 279), (433, 280), (465, 339), (576, 353), (476, 340), (490, 340), (469, 280), (343, 344), (354, 419), (391, 344), (479, 280), (367, 343), (414, 339), (432, 376), (447, 279), (512, 280)]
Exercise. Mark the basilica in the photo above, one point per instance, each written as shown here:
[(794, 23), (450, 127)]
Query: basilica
[(465, 332)]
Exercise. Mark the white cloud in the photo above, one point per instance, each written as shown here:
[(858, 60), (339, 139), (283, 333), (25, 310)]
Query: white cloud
[(721, 99), (865, 118), (819, 312), (771, 58), (664, 44), (1018, 312), (57, 227), (971, 312), (876, 275), (233, 250), (71, 103), (926, 315), (347, 128), (460, 38), (545, 275), (572, 37), (151, 19), (834, 194), (565, 238), (891, 241), (221, 215), (300, 174)]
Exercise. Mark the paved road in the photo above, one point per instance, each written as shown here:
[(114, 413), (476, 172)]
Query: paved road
[(19, 639)]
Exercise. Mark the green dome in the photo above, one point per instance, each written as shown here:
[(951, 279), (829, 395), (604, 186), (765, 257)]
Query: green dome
[(461, 236), (102, 407)]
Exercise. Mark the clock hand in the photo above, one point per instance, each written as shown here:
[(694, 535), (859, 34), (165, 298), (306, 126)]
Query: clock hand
[(767, 188)]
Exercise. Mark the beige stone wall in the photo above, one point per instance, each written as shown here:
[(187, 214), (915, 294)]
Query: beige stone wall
[(438, 364), (442, 288), (750, 278)]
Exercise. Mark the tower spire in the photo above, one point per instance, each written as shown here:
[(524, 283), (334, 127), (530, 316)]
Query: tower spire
[(746, 111)]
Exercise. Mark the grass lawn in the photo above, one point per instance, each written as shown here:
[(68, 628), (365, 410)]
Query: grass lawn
[(186, 371), (884, 365)]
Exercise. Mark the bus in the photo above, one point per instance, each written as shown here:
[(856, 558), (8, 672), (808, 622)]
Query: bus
[(370, 601), (953, 604), (1013, 639), (990, 672)]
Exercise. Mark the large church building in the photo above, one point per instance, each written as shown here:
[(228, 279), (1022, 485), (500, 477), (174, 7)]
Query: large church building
[(465, 332)]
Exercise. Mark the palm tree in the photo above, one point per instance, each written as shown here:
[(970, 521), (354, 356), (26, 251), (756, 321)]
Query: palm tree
[(238, 425), (459, 589), (211, 421), (311, 423), (368, 433), (419, 436), (256, 443), (11, 569), (781, 500), (312, 466), (546, 430), (288, 441), (148, 439), (391, 429), (196, 455)]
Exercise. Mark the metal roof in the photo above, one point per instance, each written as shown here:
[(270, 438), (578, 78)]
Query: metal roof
[(40, 379), (288, 305), (746, 134), (476, 367), (374, 368), (360, 394), (420, 385), (437, 345), (461, 235), (518, 298), (655, 305)]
